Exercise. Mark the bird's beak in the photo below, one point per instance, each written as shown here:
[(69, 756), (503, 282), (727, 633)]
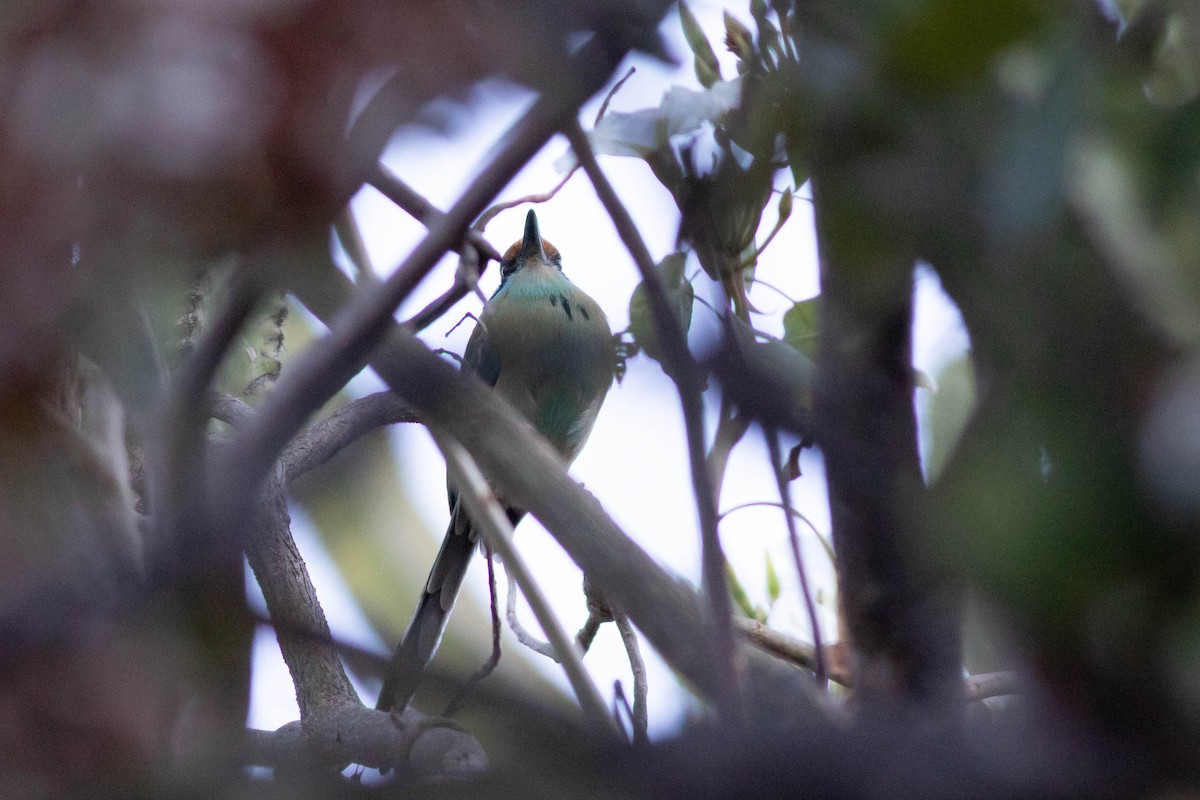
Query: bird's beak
[(531, 243)]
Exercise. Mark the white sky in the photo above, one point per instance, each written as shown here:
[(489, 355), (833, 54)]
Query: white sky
[(635, 462)]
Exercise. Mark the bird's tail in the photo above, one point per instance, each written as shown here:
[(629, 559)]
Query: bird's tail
[(421, 639)]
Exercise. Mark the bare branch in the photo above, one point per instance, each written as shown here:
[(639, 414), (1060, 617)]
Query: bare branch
[(312, 660), (231, 410), (638, 668), (327, 438), (791, 649), (419, 746), (393, 188)]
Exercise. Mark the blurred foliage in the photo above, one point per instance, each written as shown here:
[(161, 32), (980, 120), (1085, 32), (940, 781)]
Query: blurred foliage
[(679, 294)]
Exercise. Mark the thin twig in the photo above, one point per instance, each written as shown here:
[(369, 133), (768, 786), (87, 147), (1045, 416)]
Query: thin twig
[(612, 93), (407, 198), (541, 197), (587, 633), (688, 380), (795, 513), (637, 666), (493, 523), (493, 659), (520, 631), (810, 607), (350, 235)]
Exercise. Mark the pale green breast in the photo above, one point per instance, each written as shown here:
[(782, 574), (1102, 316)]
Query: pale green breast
[(548, 349)]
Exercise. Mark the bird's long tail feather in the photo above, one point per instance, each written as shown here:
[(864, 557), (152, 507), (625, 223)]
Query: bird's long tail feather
[(421, 639)]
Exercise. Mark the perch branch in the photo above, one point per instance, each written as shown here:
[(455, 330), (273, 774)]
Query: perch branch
[(327, 438)]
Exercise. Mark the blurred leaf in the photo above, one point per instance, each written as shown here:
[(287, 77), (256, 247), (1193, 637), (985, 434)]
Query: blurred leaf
[(948, 412), (796, 160), (738, 38), (708, 71), (800, 326), (738, 594), (773, 589), (680, 296), (944, 44), (769, 381)]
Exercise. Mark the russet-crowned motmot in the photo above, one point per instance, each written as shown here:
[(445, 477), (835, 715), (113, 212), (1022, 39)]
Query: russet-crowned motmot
[(546, 347)]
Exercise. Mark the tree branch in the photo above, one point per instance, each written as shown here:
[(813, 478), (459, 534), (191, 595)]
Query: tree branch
[(902, 622), (312, 660), (419, 746), (685, 373), (393, 188), (327, 438)]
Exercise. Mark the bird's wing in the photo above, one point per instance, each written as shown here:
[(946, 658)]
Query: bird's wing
[(480, 357)]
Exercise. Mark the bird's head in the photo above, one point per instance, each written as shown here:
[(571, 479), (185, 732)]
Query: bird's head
[(531, 249)]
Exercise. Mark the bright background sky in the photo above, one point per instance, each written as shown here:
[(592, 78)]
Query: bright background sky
[(635, 461)]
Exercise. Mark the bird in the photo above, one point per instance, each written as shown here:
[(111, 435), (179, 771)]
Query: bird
[(546, 347)]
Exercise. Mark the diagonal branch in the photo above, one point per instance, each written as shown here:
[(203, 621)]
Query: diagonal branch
[(327, 438), (685, 372)]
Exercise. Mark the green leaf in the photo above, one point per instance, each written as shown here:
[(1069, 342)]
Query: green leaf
[(680, 296), (705, 73), (706, 59), (797, 162), (769, 380), (773, 589), (800, 326), (740, 600), (768, 35)]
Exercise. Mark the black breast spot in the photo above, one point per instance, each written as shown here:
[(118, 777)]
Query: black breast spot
[(553, 301), (566, 306), (583, 312)]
